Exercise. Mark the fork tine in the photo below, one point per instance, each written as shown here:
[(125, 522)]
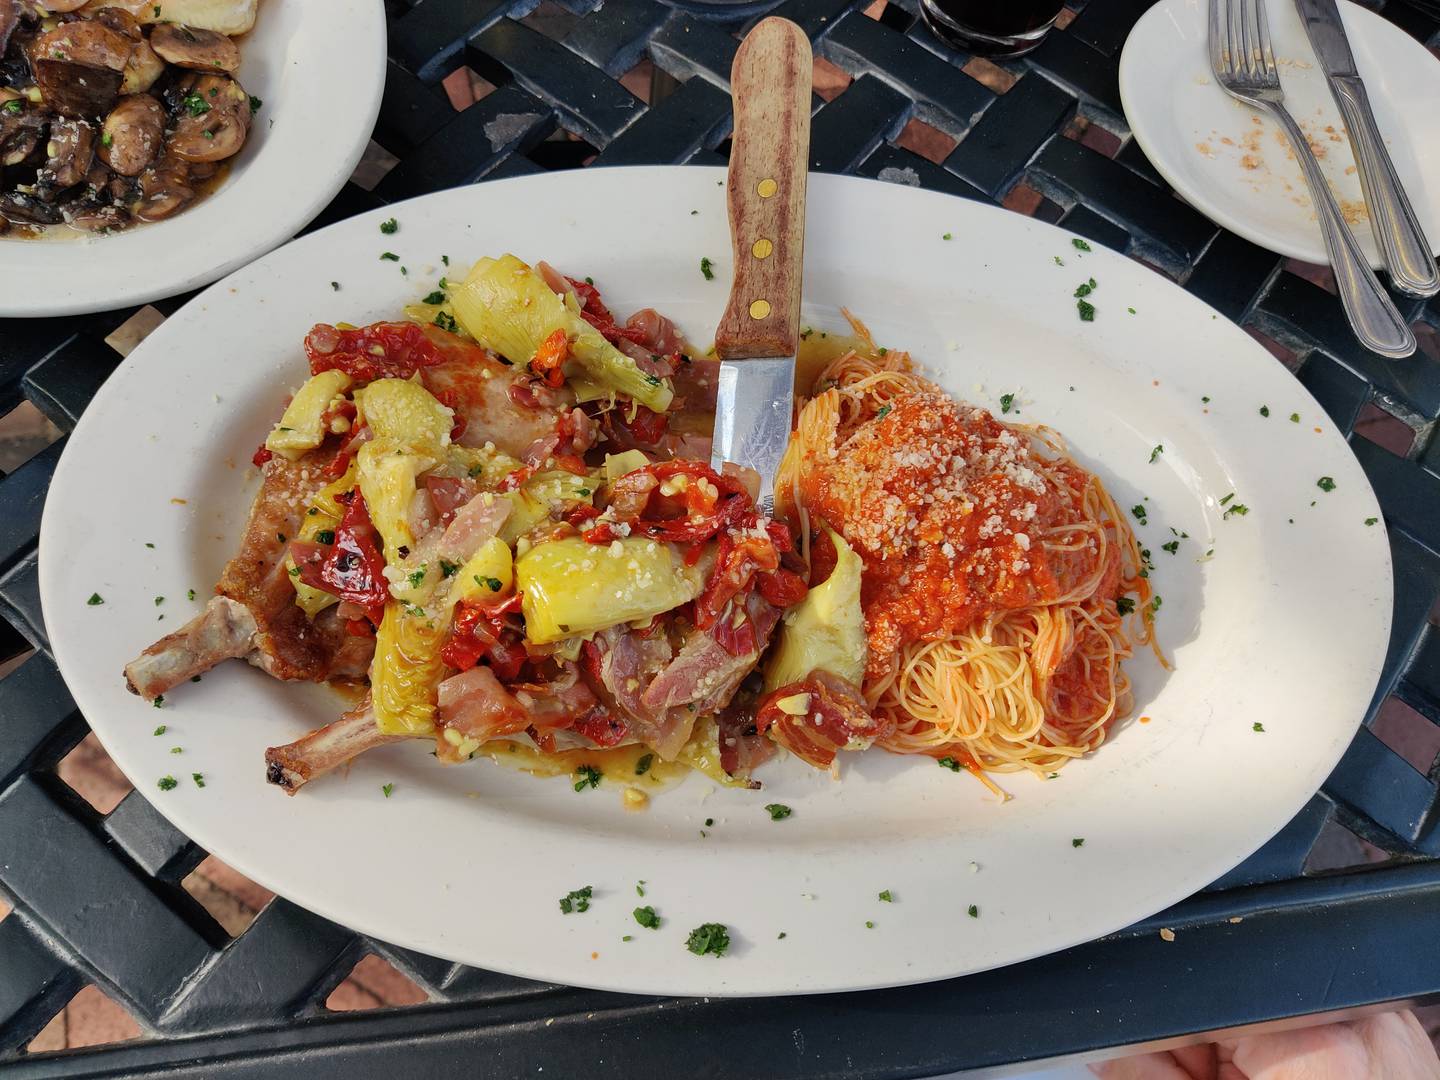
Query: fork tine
[(1267, 54), (1216, 39), (1235, 11)]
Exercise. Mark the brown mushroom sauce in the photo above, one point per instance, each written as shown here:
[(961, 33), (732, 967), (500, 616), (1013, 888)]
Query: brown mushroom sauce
[(106, 121)]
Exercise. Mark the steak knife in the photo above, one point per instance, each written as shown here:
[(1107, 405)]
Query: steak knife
[(1402, 242), (759, 333)]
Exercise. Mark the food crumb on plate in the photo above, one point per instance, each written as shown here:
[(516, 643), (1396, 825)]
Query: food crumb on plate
[(1166, 934)]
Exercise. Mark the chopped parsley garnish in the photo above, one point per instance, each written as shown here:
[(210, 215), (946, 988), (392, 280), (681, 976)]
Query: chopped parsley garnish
[(653, 380), (176, 750), (1155, 605), (255, 104), (13, 106), (415, 577), (711, 937), (946, 236), (189, 594), (1086, 310), (1238, 508), (1085, 288), (494, 584), (627, 937), (709, 821), (778, 811), (1264, 410), (389, 256), (1159, 449), (589, 777), (325, 536), (1078, 841), (1257, 726), (973, 911), (280, 536), (435, 297), (1172, 547), (642, 767), (640, 888), (167, 783), (1205, 400), (1007, 401), (1294, 418), (1225, 499), (159, 730), (390, 227), (887, 896), (1325, 483), (577, 900), (582, 491), (194, 104), (450, 569), (1124, 605), (95, 598), (159, 701), (1079, 244), (335, 285), (199, 779), (106, 139), (950, 763), (387, 789), (882, 412), (1140, 513), (780, 936), (1371, 521), (445, 321), (445, 259), (1131, 310), (705, 268), (869, 925), (646, 917), (149, 545), (1059, 261)]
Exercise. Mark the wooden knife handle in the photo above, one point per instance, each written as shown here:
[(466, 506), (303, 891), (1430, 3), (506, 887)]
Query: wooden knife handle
[(769, 159)]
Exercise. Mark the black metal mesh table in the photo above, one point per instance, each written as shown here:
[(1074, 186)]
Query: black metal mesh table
[(1301, 928)]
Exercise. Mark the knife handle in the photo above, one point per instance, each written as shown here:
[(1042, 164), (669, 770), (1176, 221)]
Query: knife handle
[(769, 159), (1397, 231)]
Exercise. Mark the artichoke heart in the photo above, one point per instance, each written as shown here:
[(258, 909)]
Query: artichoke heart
[(487, 575), (826, 630), (302, 427), (387, 474), (406, 672), (532, 503), (571, 587), (406, 413), (507, 307), (484, 464)]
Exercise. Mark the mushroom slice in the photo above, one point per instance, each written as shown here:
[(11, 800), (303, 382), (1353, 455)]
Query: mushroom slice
[(142, 69), (77, 89), (21, 132), (214, 118), (99, 217), (133, 135), (164, 189), (201, 50), (9, 19), (67, 155), (85, 42), (60, 7), (18, 206)]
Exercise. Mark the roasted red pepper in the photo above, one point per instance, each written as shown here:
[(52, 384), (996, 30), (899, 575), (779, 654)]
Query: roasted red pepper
[(594, 311), (353, 567), (382, 350), (550, 358), (702, 515), (483, 630), (262, 455), (602, 727)]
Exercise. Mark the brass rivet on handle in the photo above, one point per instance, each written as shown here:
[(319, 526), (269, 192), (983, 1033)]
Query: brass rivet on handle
[(766, 188), (762, 248), (759, 309)]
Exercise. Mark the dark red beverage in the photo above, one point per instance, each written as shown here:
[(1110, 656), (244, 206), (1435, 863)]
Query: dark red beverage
[(991, 27)]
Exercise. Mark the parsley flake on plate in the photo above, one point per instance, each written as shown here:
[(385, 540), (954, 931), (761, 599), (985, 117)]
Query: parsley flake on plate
[(777, 811), (950, 763), (95, 599), (642, 767), (973, 911), (435, 296), (1124, 605), (945, 236), (1371, 521), (199, 779), (1007, 402), (706, 268), (1264, 410), (1159, 449), (646, 917), (887, 896), (445, 321), (159, 701), (389, 227), (589, 776), (640, 888), (159, 730), (710, 938), (1325, 483), (1172, 547), (869, 925), (1086, 310), (1079, 244), (1257, 726), (1078, 841), (1085, 288), (389, 256), (167, 783), (387, 789), (1294, 418), (577, 900)]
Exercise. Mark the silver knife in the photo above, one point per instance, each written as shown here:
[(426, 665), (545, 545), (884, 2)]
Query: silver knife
[(1402, 242), (759, 334)]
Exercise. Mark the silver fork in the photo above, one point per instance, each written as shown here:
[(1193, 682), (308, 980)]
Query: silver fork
[(1244, 64)]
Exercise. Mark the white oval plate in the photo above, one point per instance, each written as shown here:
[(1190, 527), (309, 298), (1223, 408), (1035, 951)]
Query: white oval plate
[(1286, 624), (319, 69), (1200, 139)]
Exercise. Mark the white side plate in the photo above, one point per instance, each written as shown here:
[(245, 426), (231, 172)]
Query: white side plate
[(319, 69), (1286, 624), (1237, 170)]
